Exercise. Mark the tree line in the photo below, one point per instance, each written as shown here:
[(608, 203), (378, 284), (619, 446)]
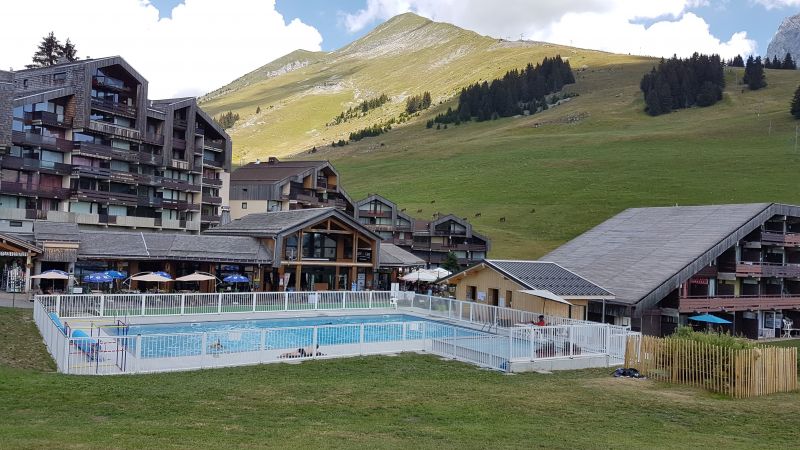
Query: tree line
[(516, 92), (50, 51), (678, 83), (788, 63), (371, 131), (418, 102), (360, 109), (754, 76)]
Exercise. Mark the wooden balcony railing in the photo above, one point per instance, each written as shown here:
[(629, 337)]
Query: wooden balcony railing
[(154, 138), (212, 200), (740, 303), (48, 142), (209, 218), (114, 107), (214, 144), (767, 270), (33, 190), (105, 151), (212, 181), (179, 144), (17, 163), (771, 237), (47, 118)]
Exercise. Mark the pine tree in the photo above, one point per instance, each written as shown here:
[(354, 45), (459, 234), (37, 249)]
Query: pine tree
[(754, 76), (795, 110), (653, 103), (258, 110), (775, 63), (48, 52), (768, 64), (788, 62), (450, 263), (737, 61), (69, 51)]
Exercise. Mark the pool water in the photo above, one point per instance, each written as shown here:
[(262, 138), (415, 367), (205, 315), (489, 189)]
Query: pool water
[(192, 339)]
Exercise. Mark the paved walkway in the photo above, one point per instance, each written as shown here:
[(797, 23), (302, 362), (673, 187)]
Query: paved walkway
[(16, 300)]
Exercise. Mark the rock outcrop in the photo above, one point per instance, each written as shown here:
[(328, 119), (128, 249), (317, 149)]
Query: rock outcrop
[(786, 40)]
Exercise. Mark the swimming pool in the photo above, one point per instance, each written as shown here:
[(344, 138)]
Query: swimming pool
[(223, 337)]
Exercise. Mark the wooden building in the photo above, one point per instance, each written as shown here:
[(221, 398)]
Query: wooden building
[(536, 286), (314, 249)]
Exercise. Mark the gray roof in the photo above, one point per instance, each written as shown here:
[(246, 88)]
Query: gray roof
[(642, 254), (133, 245), (548, 276), (271, 224), (394, 256), (55, 231)]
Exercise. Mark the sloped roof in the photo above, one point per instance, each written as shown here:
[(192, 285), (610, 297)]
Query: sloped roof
[(102, 244), (270, 172), (394, 256), (271, 224), (55, 231), (642, 254), (548, 276)]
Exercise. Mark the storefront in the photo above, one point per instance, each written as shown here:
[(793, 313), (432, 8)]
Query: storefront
[(16, 263)]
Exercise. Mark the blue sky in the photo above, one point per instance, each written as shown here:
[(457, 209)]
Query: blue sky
[(724, 18)]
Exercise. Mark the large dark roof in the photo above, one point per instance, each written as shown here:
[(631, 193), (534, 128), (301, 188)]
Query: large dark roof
[(56, 231), (642, 254), (394, 256), (101, 244), (548, 276), (271, 224), (270, 171)]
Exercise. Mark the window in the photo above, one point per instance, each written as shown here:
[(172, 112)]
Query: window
[(244, 205), (59, 76), (15, 224)]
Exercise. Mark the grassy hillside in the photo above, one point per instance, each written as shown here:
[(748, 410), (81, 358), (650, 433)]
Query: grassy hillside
[(551, 175), (409, 401), (556, 174), (405, 56)]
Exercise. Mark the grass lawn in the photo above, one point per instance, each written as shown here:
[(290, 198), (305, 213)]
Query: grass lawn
[(409, 401)]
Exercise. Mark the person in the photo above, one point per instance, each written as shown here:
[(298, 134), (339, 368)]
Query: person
[(217, 346), (540, 322), (300, 353)]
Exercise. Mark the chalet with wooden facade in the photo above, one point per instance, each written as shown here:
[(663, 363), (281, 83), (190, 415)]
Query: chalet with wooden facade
[(313, 249), (275, 185), (739, 262), (536, 286), (430, 240)]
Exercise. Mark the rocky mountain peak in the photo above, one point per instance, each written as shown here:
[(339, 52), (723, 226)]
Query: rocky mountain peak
[(786, 40)]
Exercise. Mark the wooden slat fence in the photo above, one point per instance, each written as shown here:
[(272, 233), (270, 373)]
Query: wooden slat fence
[(738, 373)]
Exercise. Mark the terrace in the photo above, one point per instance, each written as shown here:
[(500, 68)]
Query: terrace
[(692, 304)]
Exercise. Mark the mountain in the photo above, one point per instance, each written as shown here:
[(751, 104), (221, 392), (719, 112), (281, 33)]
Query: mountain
[(532, 182), (786, 40), (298, 94)]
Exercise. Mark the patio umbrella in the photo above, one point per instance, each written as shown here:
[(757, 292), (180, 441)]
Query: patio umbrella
[(420, 275), (197, 276), (52, 274), (163, 274), (98, 277), (708, 318), (439, 272), (154, 277), (236, 279), (117, 275)]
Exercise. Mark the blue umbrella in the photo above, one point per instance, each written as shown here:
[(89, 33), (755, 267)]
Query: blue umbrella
[(115, 274), (708, 318), (163, 274), (236, 279), (98, 277)]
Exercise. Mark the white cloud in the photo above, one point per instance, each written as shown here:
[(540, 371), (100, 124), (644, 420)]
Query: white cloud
[(204, 45), (776, 4), (611, 25)]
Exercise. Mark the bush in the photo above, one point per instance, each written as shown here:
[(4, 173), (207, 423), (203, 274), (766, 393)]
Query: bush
[(724, 340)]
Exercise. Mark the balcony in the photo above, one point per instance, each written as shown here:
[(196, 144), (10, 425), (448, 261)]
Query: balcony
[(748, 269), (787, 239), (32, 190), (741, 303), (17, 163), (104, 152), (91, 172), (110, 83), (179, 204), (179, 164), (199, 129), (146, 200), (48, 142), (212, 200), (179, 144), (128, 199), (154, 159), (212, 181), (110, 128), (214, 144), (213, 163), (403, 242), (48, 119), (154, 138), (179, 122), (113, 107), (450, 247), (209, 218), (179, 185), (380, 214)]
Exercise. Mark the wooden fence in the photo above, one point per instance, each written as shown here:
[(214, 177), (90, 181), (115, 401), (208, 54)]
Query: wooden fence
[(738, 373)]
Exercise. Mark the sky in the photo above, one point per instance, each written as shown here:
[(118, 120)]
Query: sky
[(189, 47)]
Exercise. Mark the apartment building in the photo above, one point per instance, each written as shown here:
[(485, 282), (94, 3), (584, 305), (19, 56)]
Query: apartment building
[(430, 240), (276, 185), (738, 262), (87, 146)]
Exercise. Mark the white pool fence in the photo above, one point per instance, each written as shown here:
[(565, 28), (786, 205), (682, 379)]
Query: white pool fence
[(487, 336)]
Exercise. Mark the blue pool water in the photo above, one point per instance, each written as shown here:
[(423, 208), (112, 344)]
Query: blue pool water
[(187, 339)]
